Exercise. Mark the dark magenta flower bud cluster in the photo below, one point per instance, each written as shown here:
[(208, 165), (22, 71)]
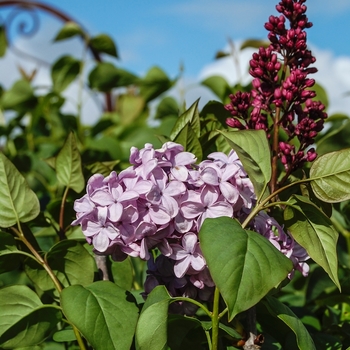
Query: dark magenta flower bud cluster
[(281, 96)]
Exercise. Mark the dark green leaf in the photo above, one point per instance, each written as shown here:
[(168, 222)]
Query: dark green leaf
[(254, 152), (123, 273), (281, 311), (18, 203), (8, 260), (257, 266), (103, 312), (3, 41), (254, 43), (330, 175), (191, 117), (24, 320), (63, 72), (104, 43), (151, 330), (154, 84), (71, 263), (314, 231), (105, 76), (189, 140), (20, 96), (69, 30), (68, 165)]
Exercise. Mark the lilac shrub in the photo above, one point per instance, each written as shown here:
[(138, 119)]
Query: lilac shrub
[(160, 202)]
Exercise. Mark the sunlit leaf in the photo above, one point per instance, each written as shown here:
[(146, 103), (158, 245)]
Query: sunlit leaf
[(69, 30), (68, 165), (18, 203), (191, 117), (104, 43), (281, 311), (314, 231), (63, 72), (151, 330), (330, 176), (256, 268), (254, 152), (103, 312), (24, 320)]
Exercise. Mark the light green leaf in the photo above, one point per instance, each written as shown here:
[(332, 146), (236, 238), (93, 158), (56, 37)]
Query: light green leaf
[(104, 313), (256, 268), (24, 320), (63, 72), (330, 175), (71, 263), (64, 335), (191, 117), (254, 43), (219, 86), (189, 140), (104, 43), (130, 107), (151, 330), (68, 165), (314, 231), (18, 203), (254, 152), (69, 30), (281, 311)]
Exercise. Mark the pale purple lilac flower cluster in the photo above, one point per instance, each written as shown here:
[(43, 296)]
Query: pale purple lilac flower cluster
[(161, 201)]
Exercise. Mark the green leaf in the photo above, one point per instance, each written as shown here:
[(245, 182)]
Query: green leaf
[(103, 312), (189, 140), (219, 86), (254, 152), (3, 41), (103, 168), (71, 263), (256, 268), (151, 330), (154, 84), (254, 43), (191, 117), (330, 175), (64, 335), (68, 165), (129, 107), (18, 203), (314, 231), (123, 273), (24, 320), (8, 261), (63, 72), (281, 311), (19, 97), (105, 76), (69, 30), (167, 107), (104, 43)]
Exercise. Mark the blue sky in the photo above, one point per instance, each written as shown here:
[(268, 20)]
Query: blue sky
[(171, 32)]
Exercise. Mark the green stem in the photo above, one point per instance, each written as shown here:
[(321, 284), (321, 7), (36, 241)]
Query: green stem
[(207, 334), (61, 219), (215, 320), (195, 302)]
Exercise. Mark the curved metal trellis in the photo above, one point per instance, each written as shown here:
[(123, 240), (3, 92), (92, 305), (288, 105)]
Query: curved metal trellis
[(30, 6)]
